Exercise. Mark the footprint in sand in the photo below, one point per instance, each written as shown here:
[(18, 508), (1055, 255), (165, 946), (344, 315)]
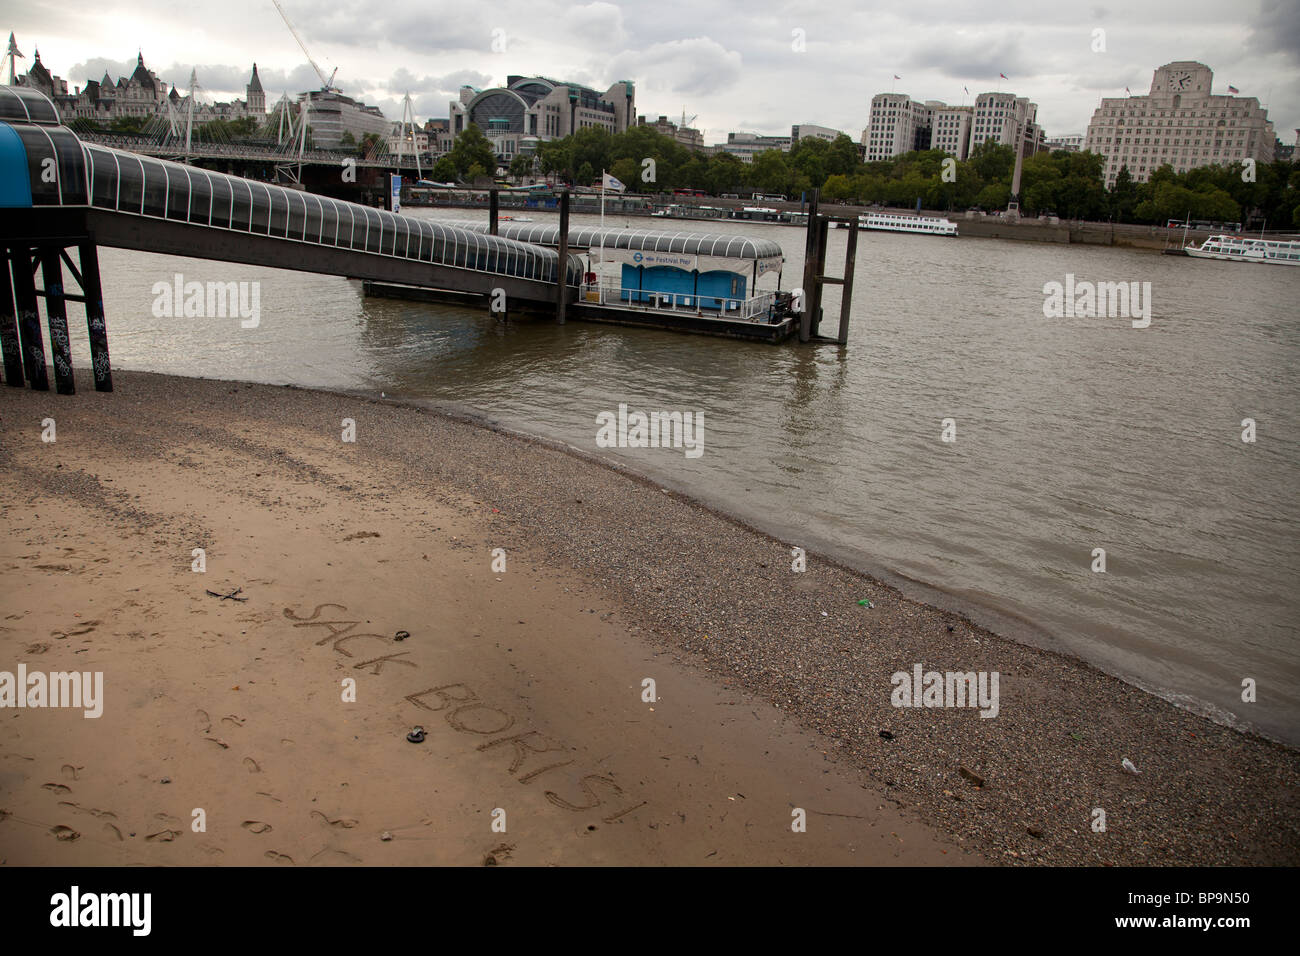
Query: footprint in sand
[(219, 742), (202, 722), (233, 720), (56, 787), (37, 648), (91, 810), (166, 818), (113, 831), (69, 771), (331, 857), (269, 796), (77, 631), (163, 836), (211, 850), (255, 826), (279, 857), (252, 765), (64, 834), (343, 822)]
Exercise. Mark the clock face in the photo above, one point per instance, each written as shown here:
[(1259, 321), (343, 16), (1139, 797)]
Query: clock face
[(1180, 80)]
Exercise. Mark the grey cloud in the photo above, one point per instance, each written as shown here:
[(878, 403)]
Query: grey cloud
[(695, 65), (1278, 29), (976, 58)]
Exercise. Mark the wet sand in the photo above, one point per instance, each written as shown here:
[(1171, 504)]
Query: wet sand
[(772, 689)]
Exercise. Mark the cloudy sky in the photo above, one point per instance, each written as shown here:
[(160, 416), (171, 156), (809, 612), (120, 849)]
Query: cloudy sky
[(760, 65)]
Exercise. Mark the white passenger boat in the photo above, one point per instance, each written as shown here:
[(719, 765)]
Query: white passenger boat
[(1237, 249), (894, 222), (897, 222)]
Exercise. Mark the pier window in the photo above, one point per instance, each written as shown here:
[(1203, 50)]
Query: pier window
[(104, 166), (297, 219), (72, 171), (178, 193), (155, 188), (329, 221), (369, 231), (241, 205), (200, 211), (277, 212), (259, 209), (388, 224), (312, 219), (131, 177), (221, 201)]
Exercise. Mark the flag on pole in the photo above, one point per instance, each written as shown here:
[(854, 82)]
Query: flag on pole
[(1233, 89), (1003, 75), (1126, 90), (609, 182), (897, 77), (966, 91)]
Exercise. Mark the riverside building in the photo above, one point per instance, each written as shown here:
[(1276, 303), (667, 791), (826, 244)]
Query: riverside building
[(1182, 122), (142, 95), (532, 109), (1000, 117), (899, 124), (812, 131), (950, 130), (745, 146)]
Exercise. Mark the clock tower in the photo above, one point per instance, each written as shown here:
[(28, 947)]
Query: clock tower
[(1182, 77)]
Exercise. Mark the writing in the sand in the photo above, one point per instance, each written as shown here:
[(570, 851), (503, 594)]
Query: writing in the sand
[(466, 713)]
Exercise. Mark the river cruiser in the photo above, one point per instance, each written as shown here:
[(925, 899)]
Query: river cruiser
[(1238, 249)]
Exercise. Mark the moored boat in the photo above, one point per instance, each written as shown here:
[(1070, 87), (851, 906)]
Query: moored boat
[(1238, 249), (898, 222)]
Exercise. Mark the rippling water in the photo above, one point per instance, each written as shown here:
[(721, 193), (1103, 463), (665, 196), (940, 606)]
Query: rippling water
[(1072, 433)]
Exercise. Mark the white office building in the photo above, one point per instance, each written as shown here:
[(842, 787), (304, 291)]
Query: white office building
[(1000, 116), (950, 130), (809, 131), (1180, 122), (746, 146), (898, 124)]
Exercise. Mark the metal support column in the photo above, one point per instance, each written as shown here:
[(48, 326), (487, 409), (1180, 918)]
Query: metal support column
[(94, 295), (9, 344), (56, 318), (29, 319)]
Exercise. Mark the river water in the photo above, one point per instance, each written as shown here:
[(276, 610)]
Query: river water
[(1071, 433)]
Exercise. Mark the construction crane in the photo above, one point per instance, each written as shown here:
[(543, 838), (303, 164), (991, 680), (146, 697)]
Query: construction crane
[(326, 84)]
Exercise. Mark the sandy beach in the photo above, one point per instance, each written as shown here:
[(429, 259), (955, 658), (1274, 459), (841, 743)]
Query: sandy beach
[(771, 689)]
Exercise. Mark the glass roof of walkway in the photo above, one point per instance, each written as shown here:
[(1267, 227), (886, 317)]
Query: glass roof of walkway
[(136, 185), (687, 243)]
